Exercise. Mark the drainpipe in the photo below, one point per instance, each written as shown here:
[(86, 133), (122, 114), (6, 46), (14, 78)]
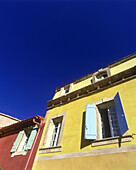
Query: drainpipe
[(40, 125)]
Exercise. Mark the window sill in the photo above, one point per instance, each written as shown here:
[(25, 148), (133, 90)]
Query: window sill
[(112, 140), (19, 153), (50, 149)]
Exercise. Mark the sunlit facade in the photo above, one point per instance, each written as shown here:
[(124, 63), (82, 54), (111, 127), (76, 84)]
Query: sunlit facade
[(91, 122)]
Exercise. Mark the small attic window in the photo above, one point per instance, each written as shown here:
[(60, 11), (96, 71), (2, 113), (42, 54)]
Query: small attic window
[(101, 74), (65, 90)]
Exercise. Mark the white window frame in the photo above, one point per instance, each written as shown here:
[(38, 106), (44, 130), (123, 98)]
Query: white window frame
[(111, 128), (55, 136), (57, 147), (111, 140)]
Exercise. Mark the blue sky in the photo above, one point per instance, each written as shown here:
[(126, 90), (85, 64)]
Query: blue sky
[(46, 44)]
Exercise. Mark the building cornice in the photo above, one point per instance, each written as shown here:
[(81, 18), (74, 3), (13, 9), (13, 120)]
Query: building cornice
[(120, 61), (94, 88)]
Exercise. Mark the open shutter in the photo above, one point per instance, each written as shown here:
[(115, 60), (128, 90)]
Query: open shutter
[(90, 122), (15, 145), (120, 114), (31, 138)]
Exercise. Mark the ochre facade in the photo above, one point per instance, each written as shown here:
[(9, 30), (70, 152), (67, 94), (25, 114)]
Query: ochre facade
[(8, 135), (77, 153)]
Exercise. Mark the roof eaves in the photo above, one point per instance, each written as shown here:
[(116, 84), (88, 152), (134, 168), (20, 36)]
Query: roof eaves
[(109, 65), (16, 127)]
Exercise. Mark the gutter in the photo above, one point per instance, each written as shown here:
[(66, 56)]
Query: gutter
[(16, 127), (31, 160)]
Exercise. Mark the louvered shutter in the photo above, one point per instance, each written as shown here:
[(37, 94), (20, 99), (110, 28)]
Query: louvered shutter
[(15, 145), (31, 138), (120, 114), (90, 122)]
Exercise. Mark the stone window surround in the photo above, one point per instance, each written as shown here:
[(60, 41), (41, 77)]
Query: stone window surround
[(107, 70), (58, 148), (19, 153), (62, 91), (111, 140)]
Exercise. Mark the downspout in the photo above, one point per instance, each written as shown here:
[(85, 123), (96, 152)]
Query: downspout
[(40, 125)]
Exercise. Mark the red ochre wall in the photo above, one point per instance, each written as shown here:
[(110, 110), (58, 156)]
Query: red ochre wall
[(17, 162), (6, 161)]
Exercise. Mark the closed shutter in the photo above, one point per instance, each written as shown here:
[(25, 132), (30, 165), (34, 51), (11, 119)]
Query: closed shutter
[(31, 138), (120, 114), (15, 145), (90, 122)]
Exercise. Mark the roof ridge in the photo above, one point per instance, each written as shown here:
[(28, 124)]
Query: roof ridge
[(6, 115)]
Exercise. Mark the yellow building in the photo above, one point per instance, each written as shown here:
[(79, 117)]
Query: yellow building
[(91, 122)]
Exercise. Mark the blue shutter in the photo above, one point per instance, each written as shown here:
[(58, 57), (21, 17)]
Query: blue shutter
[(120, 114), (15, 145), (31, 138), (90, 122)]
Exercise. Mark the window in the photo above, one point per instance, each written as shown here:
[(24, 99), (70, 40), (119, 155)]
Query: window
[(25, 137), (66, 89), (109, 126), (101, 74), (53, 135), (104, 120), (24, 141)]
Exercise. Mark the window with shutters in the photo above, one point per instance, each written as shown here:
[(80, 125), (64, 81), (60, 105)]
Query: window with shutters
[(54, 133), (24, 141), (105, 120), (108, 122)]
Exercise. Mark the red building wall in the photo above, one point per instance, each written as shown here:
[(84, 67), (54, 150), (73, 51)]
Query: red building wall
[(6, 161), (17, 162)]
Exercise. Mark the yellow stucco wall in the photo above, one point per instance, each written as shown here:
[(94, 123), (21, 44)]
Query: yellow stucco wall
[(124, 66), (73, 125), (56, 95), (120, 161), (81, 84), (73, 141), (114, 70), (72, 136)]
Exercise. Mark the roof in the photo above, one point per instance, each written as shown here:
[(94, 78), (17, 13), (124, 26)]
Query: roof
[(21, 125), (124, 59), (5, 115)]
